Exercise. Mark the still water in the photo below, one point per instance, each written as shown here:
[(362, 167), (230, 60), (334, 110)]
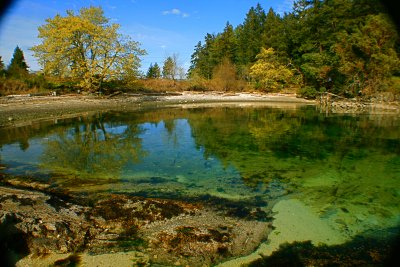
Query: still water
[(346, 168)]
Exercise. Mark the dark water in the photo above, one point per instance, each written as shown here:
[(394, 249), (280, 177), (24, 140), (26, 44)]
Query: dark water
[(345, 167)]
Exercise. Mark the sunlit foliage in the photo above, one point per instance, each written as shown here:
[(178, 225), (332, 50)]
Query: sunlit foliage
[(86, 46)]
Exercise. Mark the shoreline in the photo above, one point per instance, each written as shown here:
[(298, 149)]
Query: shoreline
[(17, 110), (20, 110)]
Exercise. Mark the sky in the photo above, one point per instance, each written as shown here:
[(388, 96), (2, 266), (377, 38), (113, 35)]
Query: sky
[(162, 27)]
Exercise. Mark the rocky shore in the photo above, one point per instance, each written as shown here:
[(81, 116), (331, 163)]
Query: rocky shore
[(331, 103), (42, 225)]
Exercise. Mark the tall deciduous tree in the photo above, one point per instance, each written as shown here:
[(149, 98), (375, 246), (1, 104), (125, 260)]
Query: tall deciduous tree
[(168, 68), (269, 72), (18, 66), (87, 47), (171, 67)]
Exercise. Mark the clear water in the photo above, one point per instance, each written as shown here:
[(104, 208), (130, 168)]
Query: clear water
[(345, 167)]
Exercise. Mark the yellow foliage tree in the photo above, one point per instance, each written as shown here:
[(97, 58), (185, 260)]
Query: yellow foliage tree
[(87, 47), (269, 73)]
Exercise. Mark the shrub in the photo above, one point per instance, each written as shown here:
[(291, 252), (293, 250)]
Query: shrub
[(308, 92)]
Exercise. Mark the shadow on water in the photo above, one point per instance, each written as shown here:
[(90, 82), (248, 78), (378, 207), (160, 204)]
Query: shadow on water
[(360, 251)]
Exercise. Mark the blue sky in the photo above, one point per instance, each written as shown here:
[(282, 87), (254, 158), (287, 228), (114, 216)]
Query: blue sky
[(163, 27)]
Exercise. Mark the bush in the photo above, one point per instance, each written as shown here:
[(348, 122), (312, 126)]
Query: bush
[(308, 92), (13, 86)]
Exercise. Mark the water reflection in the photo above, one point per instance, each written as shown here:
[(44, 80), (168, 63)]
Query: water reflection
[(93, 148), (345, 167)]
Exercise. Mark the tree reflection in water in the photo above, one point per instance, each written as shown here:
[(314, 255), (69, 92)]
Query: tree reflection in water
[(93, 149)]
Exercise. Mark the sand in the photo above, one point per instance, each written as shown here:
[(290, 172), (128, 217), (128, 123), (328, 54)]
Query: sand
[(294, 221)]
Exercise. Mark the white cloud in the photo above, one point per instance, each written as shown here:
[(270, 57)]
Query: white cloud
[(176, 12)]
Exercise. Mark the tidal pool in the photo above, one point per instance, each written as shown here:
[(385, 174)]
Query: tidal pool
[(338, 174)]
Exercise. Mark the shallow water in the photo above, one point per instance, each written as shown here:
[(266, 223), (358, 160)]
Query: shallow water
[(345, 168)]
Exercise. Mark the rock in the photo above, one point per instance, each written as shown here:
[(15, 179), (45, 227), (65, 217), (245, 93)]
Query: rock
[(50, 227), (169, 230)]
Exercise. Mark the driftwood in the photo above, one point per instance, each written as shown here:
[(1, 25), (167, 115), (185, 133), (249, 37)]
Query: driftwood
[(329, 102)]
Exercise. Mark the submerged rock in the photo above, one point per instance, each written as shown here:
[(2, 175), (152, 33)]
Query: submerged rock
[(168, 231)]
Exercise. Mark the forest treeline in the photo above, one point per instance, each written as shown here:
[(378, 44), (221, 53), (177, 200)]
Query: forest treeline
[(347, 47)]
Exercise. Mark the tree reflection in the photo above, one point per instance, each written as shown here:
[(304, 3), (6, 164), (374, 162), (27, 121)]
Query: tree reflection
[(265, 144), (93, 149)]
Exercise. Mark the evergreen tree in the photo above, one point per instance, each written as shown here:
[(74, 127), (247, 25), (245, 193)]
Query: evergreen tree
[(156, 71), (153, 72), (18, 66), (249, 35), (368, 57), (206, 60), (274, 34), (195, 59), (342, 46), (225, 45), (149, 73)]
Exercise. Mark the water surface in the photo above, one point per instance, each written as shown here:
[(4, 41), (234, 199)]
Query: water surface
[(346, 168)]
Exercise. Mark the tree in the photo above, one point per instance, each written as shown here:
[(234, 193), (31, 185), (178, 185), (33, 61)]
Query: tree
[(224, 76), (225, 45), (87, 47), (168, 68), (269, 72), (18, 66), (93, 150), (202, 60), (367, 56), (1, 64), (181, 73), (249, 35), (171, 67), (153, 72), (274, 34)]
